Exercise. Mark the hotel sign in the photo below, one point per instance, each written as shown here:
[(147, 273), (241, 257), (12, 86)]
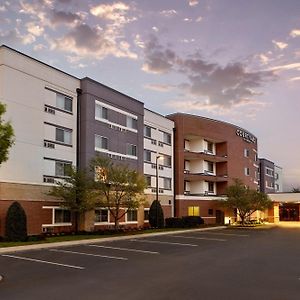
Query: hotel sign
[(247, 137)]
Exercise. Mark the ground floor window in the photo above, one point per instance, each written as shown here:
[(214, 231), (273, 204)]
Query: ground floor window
[(193, 211), (131, 215), (101, 215), (146, 214), (62, 215)]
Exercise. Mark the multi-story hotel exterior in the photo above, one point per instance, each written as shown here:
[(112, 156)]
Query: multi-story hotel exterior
[(209, 155), (266, 176), (158, 157), (41, 103)]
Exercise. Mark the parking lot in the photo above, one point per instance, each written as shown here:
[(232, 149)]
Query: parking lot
[(218, 264)]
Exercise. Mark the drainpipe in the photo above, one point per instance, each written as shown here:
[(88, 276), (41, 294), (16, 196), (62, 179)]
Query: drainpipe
[(78, 164)]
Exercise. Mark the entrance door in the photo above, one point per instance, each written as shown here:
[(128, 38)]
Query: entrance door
[(289, 212), (220, 217)]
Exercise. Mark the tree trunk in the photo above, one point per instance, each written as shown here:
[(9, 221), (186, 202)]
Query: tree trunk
[(76, 221)]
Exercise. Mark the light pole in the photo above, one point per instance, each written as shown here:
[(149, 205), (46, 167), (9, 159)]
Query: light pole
[(156, 206)]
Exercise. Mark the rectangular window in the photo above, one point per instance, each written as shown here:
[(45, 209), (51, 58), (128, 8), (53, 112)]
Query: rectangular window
[(247, 171), (101, 142), (63, 136), (167, 183), (131, 149), (210, 211), (167, 160), (62, 168), (193, 211), (210, 147), (132, 215), (101, 112), (131, 122), (63, 102), (147, 155), (101, 215), (147, 131), (62, 215), (255, 157), (211, 187), (148, 180), (210, 167), (167, 138), (269, 172), (146, 215), (246, 152)]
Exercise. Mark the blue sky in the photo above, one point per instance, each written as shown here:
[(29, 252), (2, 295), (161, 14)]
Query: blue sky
[(233, 60)]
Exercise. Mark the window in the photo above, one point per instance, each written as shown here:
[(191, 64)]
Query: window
[(101, 112), (63, 136), (167, 138), (148, 180), (211, 187), (255, 157), (167, 183), (101, 215), (277, 187), (269, 172), (193, 211), (146, 214), (276, 176), (246, 152), (101, 142), (132, 215), (247, 171), (210, 147), (147, 131), (147, 155), (210, 211), (62, 215), (131, 122), (210, 167), (167, 160), (131, 149), (63, 102), (62, 168)]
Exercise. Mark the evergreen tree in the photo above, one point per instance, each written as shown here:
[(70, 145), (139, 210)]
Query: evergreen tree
[(156, 215)]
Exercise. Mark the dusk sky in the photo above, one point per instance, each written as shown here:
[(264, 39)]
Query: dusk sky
[(232, 60)]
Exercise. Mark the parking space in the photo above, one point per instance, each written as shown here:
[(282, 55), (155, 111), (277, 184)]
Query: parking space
[(177, 261)]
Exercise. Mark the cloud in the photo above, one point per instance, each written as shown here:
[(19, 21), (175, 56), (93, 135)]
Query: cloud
[(159, 87), (295, 32), (193, 2), (34, 29), (286, 67), (15, 37), (155, 28), (2, 8), (86, 41), (294, 79), (263, 59), (168, 13), (280, 45), (138, 41), (199, 19), (62, 17)]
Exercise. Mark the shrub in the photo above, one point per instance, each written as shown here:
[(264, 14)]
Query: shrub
[(192, 221), (15, 225), (174, 223), (156, 215)]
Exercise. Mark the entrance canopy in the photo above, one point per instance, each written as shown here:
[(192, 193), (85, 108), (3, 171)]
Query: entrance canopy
[(285, 197)]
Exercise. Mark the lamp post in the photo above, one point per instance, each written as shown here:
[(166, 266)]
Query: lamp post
[(157, 158)]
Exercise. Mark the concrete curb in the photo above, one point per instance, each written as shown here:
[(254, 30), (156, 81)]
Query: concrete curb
[(99, 240)]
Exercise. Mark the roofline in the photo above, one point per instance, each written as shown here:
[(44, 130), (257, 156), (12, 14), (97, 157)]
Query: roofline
[(267, 160), (39, 61), (156, 113), (108, 87), (210, 119)]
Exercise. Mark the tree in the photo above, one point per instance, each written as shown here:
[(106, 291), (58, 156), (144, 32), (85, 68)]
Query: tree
[(245, 200), (77, 193), (6, 136), (119, 188), (156, 215), (295, 190), (16, 224)]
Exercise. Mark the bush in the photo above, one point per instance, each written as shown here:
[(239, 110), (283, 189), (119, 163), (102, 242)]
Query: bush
[(192, 221), (174, 223), (156, 215), (15, 225)]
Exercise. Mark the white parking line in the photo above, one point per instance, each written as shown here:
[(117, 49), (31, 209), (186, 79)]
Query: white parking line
[(167, 243), (89, 254), (221, 233), (199, 238), (43, 261), (124, 249)]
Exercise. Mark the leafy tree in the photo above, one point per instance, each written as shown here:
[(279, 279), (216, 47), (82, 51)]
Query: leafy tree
[(77, 193), (245, 200), (15, 225), (156, 215), (6, 136), (119, 188)]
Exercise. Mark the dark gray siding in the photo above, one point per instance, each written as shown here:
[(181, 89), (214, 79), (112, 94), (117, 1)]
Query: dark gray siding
[(263, 177)]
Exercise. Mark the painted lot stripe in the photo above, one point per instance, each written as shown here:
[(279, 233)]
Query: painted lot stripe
[(166, 243), (89, 254), (124, 249), (199, 238), (43, 261), (221, 233)]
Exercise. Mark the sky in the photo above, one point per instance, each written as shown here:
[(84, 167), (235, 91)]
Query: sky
[(232, 60)]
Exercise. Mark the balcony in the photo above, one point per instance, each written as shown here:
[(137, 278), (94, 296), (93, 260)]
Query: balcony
[(204, 155), (205, 177)]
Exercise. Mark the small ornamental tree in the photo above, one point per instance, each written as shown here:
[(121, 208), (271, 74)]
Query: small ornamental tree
[(156, 215), (6, 136), (245, 200), (77, 193), (118, 187), (15, 225)]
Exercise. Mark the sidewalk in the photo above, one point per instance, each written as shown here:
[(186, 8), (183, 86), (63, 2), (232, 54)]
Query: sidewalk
[(99, 240)]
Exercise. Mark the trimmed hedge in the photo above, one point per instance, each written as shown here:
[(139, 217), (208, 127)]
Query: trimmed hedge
[(184, 222)]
